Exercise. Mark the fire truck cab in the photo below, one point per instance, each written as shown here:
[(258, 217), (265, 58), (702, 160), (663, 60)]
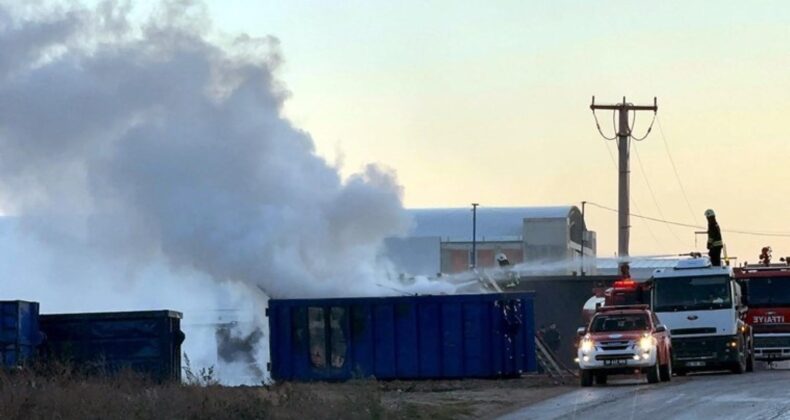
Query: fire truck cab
[(703, 309), (767, 289)]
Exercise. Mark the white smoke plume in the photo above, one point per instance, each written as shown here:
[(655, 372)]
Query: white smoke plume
[(149, 163)]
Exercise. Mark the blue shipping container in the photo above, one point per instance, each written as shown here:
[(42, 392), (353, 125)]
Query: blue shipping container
[(148, 342), (19, 332), (405, 337)]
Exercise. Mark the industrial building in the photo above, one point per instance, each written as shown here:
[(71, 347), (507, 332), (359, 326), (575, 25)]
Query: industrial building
[(552, 240)]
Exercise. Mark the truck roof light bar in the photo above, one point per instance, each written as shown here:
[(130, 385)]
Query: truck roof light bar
[(622, 308), (624, 284)]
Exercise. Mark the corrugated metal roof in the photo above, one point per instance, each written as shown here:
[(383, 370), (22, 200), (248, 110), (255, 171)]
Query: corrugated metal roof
[(492, 222)]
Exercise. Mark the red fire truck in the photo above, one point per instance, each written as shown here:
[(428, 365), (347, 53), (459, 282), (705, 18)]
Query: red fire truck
[(767, 291), (623, 292)]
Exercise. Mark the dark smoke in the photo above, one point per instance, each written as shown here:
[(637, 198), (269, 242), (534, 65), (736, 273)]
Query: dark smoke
[(236, 347)]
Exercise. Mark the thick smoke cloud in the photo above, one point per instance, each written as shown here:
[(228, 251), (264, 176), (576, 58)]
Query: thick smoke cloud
[(127, 146), (161, 141)]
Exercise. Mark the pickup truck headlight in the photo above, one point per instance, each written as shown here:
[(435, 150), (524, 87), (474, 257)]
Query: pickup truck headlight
[(646, 343), (587, 345)]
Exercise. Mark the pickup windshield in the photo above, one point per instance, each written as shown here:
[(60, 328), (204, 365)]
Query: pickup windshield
[(612, 323), (689, 293), (768, 291)]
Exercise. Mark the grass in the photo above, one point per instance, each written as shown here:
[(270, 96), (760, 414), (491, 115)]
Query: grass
[(65, 394), (59, 392)]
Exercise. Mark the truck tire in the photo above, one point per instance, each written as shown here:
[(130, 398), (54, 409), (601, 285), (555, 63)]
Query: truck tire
[(586, 377), (653, 375), (665, 372), (600, 378), (750, 361), (739, 366)]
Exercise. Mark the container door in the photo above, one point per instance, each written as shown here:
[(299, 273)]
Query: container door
[(338, 343), (512, 336), (327, 338)]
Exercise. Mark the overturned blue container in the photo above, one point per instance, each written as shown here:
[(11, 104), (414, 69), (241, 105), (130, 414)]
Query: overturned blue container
[(19, 332), (406, 337), (148, 342)]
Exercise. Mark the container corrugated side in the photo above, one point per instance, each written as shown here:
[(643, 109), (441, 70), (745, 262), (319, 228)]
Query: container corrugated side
[(148, 342), (19, 332), (408, 337)]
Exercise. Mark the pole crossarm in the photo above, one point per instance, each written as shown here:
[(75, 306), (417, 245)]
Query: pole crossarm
[(625, 106)]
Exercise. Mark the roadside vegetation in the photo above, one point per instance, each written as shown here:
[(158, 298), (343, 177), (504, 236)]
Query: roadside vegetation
[(59, 392)]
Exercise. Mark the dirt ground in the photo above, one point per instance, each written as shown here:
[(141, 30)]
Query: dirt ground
[(478, 399)]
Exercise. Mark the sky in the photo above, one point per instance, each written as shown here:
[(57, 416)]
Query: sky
[(488, 102)]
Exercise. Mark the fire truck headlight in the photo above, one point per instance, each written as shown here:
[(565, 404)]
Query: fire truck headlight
[(647, 343), (587, 345)]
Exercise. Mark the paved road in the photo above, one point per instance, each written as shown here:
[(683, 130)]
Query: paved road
[(760, 395)]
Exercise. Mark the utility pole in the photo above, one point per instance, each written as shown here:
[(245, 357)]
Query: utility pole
[(473, 260), (584, 225), (623, 135)]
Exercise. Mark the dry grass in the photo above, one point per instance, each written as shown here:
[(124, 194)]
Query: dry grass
[(27, 395), (60, 393)]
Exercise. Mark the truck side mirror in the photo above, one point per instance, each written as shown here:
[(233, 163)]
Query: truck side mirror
[(661, 328), (581, 331)]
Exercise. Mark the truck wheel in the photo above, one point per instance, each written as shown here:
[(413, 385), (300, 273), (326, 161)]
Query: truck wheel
[(586, 378), (739, 366), (600, 378), (653, 374), (750, 361), (666, 372)]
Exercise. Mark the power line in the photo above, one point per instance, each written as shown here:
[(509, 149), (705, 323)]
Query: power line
[(611, 155), (653, 195), (636, 204), (599, 127), (647, 226), (649, 129), (686, 225), (677, 175)]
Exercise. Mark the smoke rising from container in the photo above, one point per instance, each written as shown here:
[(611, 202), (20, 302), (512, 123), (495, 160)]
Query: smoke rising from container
[(149, 164)]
